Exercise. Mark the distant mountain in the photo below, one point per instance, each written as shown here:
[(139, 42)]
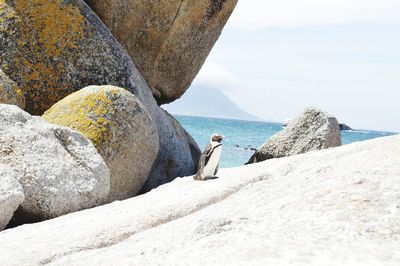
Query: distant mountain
[(208, 102)]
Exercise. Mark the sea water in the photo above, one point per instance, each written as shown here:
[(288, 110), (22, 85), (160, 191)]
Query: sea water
[(242, 137)]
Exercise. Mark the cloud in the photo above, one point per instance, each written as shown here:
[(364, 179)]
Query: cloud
[(276, 57), (215, 76), (261, 14), (349, 71)]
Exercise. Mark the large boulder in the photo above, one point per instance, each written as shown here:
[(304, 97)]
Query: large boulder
[(53, 48), (168, 40), (58, 168), (11, 195), (332, 207), (312, 130), (10, 93), (121, 129)]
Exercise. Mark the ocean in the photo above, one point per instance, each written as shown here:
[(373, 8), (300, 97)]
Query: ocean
[(243, 136)]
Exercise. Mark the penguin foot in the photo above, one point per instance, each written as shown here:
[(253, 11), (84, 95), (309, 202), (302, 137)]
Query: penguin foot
[(210, 178)]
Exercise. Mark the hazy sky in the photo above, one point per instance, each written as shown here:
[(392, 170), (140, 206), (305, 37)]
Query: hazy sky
[(276, 57)]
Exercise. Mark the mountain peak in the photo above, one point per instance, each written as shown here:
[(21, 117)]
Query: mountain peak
[(207, 101)]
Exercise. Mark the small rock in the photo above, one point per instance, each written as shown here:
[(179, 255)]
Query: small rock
[(121, 129), (311, 130)]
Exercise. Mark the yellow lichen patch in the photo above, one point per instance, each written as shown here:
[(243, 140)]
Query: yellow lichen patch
[(90, 113), (49, 31), (56, 23), (19, 95), (6, 13), (3, 6)]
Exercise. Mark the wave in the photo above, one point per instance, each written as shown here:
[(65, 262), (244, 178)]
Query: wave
[(360, 131), (376, 133)]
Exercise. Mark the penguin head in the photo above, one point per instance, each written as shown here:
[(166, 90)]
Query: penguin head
[(217, 137)]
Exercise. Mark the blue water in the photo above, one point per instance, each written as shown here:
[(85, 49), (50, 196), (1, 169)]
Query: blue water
[(241, 136)]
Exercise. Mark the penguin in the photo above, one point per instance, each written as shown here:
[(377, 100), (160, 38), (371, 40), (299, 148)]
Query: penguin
[(209, 159)]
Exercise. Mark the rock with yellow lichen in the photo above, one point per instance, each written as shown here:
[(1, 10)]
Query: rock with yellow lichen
[(121, 129), (168, 40), (9, 91), (52, 48)]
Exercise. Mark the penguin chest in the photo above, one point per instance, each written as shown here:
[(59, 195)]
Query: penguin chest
[(212, 164)]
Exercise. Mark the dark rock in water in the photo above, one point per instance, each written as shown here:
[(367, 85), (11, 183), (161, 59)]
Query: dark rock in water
[(344, 127), (311, 130), (250, 148), (247, 148)]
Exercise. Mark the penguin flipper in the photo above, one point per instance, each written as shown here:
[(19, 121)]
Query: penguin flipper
[(202, 163)]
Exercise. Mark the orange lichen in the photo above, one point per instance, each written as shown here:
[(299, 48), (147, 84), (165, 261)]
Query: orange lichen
[(50, 31), (56, 23)]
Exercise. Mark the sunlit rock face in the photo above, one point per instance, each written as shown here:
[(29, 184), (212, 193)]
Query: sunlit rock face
[(168, 40), (338, 206), (58, 168)]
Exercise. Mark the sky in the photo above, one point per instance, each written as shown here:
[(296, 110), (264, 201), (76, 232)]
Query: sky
[(274, 58)]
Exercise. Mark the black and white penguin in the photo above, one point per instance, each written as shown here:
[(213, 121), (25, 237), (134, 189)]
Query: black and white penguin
[(209, 159)]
